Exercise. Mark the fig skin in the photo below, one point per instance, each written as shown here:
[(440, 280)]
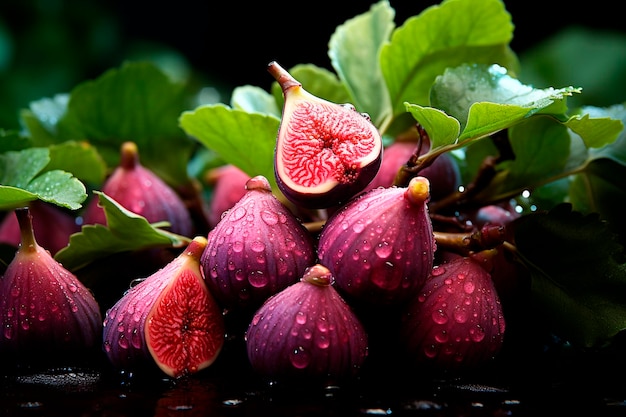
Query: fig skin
[(258, 248), (325, 152), (53, 226), (141, 191), (444, 174), (307, 331), (170, 319), (43, 305), (229, 186), (456, 322), (380, 246)]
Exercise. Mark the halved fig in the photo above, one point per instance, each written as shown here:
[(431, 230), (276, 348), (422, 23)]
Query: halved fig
[(325, 152), (170, 319)]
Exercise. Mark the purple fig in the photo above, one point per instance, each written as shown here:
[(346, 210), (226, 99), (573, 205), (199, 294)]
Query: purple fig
[(258, 248), (307, 330), (42, 304), (169, 319), (325, 152), (141, 191), (455, 322), (229, 185), (380, 246), (443, 174), (53, 226)]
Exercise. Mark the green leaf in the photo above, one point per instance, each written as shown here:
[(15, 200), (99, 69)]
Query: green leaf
[(541, 147), (442, 129), (486, 99), (254, 100), (136, 102), (596, 133), (79, 158), (617, 149), (246, 140), (360, 72), (601, 188), (578, 283), (22, 181), (11, 140), (43, 116), (125, 231), (442, 36)]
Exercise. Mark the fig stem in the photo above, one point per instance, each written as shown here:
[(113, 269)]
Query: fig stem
[(25, 221), (284, 79), (129, 155), (488, 237)]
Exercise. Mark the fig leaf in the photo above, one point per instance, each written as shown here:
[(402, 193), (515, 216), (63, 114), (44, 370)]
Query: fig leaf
[(125, 231), (578, 274)]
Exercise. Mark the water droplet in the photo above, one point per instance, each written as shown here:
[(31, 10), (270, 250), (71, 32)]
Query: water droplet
[(323, 342), (437, 270), (257, 279), (299, 358), (229, 230), (358, 226), (439, 316), (122, 342), (237, 214), (301, 318), (257, 246), (430, 351), (269, 217), (383, 250), (460, 315), (477, 334), (72, 287), (136, 339), (469, 287), (238, 246)]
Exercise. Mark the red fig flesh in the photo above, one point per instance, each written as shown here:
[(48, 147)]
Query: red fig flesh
[(258, 248), (42, 304), (170, 319), (308, 331), (455, 322), (380, 246), (325, 152), (141, 191)]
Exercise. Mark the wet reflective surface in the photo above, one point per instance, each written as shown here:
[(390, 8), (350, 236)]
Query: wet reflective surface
[(552, 382)]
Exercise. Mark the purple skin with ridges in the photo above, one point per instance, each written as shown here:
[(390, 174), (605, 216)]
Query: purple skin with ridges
[(258, 248), (380, 246), (307, 331)]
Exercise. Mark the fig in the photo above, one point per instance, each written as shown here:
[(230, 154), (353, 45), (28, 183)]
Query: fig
[(228, 187), (53, 226), (325, 152), (141, 191), (43, 305), (307, 331), (258, 248), (444, 174), (380, 246), (455, 322), (169, 319)]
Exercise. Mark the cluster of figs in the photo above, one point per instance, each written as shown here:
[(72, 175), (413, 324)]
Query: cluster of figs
[(342, 261)]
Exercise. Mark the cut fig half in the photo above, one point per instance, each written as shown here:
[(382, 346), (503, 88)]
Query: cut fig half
[(325, 152), (170, 319)]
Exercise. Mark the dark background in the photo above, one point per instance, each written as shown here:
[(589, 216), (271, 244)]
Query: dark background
[(49, 46)]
